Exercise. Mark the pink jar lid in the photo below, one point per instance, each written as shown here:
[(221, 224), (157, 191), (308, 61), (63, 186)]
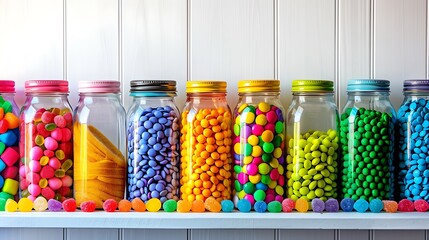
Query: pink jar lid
[(7, 86), (46, 86), (100, 86)]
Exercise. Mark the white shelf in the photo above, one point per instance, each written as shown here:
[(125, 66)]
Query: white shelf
[(235, 220)]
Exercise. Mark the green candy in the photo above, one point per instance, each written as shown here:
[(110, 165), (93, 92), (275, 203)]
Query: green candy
[(169, 205), (274, 207), (259, 195)]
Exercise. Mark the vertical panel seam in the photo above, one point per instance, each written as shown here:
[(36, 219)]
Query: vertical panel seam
[(120, 67), (372, 39), (337, 50), (65, 40), (276, 38), (188, 40)]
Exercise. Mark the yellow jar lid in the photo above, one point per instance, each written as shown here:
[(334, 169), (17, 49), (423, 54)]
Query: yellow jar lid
[(250, 86), (205, 86), (312, 86)]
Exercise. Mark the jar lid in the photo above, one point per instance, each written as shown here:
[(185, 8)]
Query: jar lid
[(312, 86), (47, 86), (251, 86), (416, 85), (7, 86), (168, 86), (359, 85), (100, 86), (205, 86)]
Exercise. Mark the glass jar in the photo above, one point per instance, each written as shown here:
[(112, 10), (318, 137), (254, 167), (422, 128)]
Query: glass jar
[(258, 142), (205, 142), (153, 122), (99, 143), (9, 147), (367, 140), (413, 142), (46, 141), (312, 141)]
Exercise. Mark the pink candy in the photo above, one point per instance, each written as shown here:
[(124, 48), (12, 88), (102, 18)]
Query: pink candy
[(34, 166), (10, 156), (274, 174), (10, 172), (51, 144), (252, 169), (47, 117), (271, 117), (33, 177), (250, 198), (54, 163), (36, 153), (242, 178), (60, 121), (34, 189), (48, 193), (67, 181), (57, 134), (47, 172), (288, 205), (55, 183), (257, 130), (49, 153)]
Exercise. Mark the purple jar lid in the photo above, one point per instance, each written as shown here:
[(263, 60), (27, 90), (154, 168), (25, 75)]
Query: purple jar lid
[(416, 85), (7, 86), (46, 86)]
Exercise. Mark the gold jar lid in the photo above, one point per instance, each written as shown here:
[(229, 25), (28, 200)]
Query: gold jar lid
[(208, 86), (251, 86)]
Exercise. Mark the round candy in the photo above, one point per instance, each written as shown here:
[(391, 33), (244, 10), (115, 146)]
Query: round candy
[(376, 205), (153, 205), (40, 204), (406, 205), (124, 205), (138, 205), (317, 205), (227, 205), (331, 205), (198, 206), (244, 205), (347, 204), (421, 205), (88, 206), (54, 205), (110, 205), (11, 206), (274, 207), (288, 205), (260, 206), (390, 206), (301, 205), (184, 206), (212, 205), (361, 205), (25, 205), (169, 205), (69, 205)]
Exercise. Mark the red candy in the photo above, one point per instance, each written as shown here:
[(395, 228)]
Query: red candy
[(69, 205), (88, 206), (110, 205), (49, 153), (42, 130), (48, 193), (406, 205), (60, 121), (47, 172), (4, 126), (10, 172), (421, 205), (47, 117)]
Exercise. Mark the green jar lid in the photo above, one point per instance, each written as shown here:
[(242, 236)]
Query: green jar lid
[(312, 86)]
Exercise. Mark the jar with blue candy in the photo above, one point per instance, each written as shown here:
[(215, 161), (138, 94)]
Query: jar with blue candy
[(153, 135), (99, 143), (367, 141), (413, 142), (312, 141), (258, 142)]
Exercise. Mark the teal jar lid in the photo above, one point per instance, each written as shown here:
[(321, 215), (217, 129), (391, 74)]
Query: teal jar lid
[(367, 85)]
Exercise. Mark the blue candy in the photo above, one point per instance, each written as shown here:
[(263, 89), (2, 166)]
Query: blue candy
[(244, 205), (227, 205), (2, 165), (376, 205), (361, 205), (260, 206), (347, 204), (9, 138)]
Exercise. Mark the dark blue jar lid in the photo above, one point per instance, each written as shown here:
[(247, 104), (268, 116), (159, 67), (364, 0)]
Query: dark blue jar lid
[(416, 85), (378, 85)]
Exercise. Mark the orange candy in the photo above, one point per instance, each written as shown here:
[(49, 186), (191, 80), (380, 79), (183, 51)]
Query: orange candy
[(12, 120), (212, 205), (184, 206), (198, 206), (390, 206), (138, 205), (124, 205), (301, 205)]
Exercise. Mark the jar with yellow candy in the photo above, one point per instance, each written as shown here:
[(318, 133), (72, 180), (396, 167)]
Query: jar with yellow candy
[(206, 131), (258, 142), (312, 141), (99, 143)]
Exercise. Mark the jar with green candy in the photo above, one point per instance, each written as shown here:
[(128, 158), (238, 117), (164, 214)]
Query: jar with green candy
[(312, 141), (367, 141)]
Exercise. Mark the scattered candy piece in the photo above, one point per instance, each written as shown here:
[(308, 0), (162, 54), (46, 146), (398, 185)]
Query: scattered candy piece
[(11, 206), (406, 205), (390, 206), (376, 205), (301, 205), (212, 205), (331, 205), (317, 205), (110, 205), (153, 205), (2, 203), (69, 205), (198, 206), (244, 205), (40, 204), (25, 205), (288, 205), (138, 205), (347, 204), (124, 205), (184, 206), (169, 205), (421, 205), (227, 205), (88, 206), (361, 205), (54, 205), (260, 206), (274, 207)]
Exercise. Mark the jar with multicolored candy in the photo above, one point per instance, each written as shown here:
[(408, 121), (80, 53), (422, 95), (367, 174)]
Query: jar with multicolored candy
[(258, 142), (205, 143), (153, 131), (99, 143), (312, 141), (46, 141), (9, 148), (367, 141)]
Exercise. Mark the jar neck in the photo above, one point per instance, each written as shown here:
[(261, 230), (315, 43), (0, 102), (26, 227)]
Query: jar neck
[(206, 95), (369, 94), (319, 97), (416, 94), (259, 94)]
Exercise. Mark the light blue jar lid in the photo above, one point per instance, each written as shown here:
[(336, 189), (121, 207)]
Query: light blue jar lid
[(365, 85)]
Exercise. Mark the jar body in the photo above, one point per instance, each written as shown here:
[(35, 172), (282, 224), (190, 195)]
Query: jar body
[(412, 168), (46, 147), (258, 147), (205, 144), (9, 149), (312, 146), (367, 142), (99, 148), (153, 130)]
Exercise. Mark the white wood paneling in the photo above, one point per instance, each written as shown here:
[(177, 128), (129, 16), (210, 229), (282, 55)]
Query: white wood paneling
[(92, 42), (354, 234), (31, 41), (354, 43), (154, 38), (92, 234), (31, 233), (231, 40), (148, 234), (232, 234), (400, 43), (399, 234), (306, 234)]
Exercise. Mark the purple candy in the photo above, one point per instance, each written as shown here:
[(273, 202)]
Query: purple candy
[(331, 205), (317, 205), (54, 205)]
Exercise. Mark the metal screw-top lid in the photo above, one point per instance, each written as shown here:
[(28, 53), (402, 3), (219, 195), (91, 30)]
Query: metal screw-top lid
[(100, 86), (208, 86), (46, 86), (416, 85), (168, 86), (312, 86), (367, 85), (7, 86), (251, 86)]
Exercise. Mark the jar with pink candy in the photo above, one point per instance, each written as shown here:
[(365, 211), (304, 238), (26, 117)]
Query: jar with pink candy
[(45, 143)]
